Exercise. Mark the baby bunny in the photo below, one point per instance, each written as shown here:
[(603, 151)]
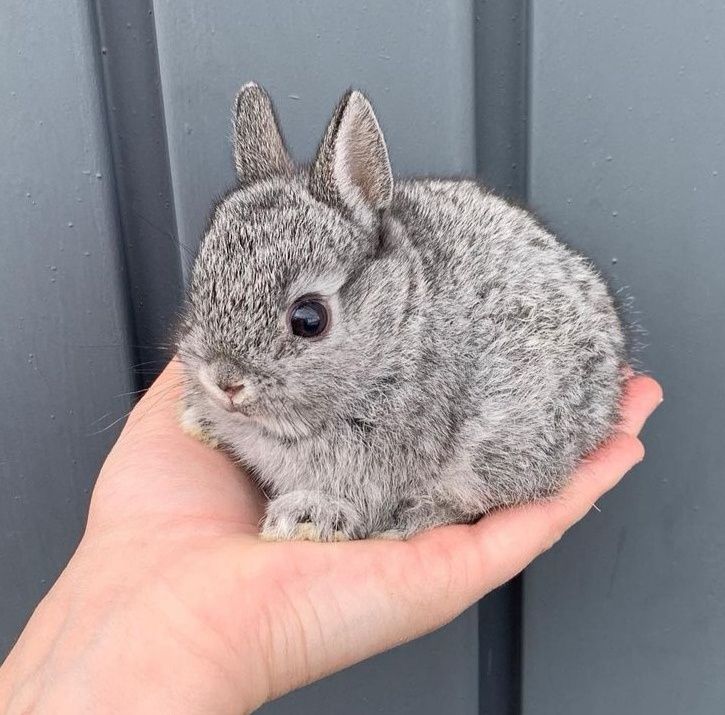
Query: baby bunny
[(384, 355)]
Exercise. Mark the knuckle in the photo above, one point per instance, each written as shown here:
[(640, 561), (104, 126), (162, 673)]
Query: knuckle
[(634, 446), (639, 449), (629, 443)]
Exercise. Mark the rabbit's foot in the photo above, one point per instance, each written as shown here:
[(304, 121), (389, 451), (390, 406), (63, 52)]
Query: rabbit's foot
[(195, 427), (306, 515)]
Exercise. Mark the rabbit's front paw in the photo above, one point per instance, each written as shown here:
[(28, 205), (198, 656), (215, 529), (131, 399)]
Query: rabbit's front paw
[(196, 427), (311, 516)]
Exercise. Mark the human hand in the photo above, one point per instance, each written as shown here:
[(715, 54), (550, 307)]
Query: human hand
[(172, 603)]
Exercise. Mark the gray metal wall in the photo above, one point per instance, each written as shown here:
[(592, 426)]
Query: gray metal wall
[(64, 329), (627, 161), (115, 133)]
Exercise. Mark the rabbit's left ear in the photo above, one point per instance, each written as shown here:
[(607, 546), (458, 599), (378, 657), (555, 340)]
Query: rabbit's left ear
[(352, 166), (259, 151)]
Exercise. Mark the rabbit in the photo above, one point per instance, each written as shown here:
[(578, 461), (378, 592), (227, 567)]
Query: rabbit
[(387, 356)]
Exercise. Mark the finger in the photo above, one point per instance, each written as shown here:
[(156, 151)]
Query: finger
[(510, 540), (153, 428), (158, 408), (477, 559), (438, 574), (642, 395)]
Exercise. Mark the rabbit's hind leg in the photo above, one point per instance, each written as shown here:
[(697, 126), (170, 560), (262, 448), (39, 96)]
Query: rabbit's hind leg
[(414, 515)]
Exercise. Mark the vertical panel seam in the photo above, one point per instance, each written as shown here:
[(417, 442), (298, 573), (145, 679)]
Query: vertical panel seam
[(502, 47), (127, 319), (167, 151), (526, 59), (135, 251)]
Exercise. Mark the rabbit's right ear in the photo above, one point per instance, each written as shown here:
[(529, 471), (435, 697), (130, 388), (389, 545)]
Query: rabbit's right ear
[(259, 151), (352, 169)]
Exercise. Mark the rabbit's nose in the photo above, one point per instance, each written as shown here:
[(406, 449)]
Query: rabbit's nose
[(232, 390)]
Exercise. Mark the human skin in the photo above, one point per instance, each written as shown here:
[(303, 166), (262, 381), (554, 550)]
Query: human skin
[(172, 602)]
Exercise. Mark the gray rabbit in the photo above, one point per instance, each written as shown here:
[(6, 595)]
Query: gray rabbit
[(387, 356)]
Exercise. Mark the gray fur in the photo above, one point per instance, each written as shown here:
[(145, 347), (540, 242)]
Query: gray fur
[(471, 362)]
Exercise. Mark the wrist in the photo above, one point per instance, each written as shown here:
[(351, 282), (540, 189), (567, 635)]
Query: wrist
[(88, 649), (24, 671)]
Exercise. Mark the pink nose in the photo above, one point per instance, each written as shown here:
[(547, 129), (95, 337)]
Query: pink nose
[(232, 390)]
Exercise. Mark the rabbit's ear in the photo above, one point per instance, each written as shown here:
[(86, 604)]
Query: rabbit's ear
[(259, 151), (352, 165)]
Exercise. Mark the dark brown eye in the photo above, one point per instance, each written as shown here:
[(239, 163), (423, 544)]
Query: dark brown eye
[(309, 318)]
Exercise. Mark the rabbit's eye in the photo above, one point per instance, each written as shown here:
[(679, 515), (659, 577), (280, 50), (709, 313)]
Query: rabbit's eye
[(309, 318)]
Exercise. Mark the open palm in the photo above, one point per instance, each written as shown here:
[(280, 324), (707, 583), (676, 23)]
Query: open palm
[(172, 603)]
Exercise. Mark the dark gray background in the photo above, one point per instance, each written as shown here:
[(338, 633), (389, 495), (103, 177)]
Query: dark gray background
[(609, 116), (627, 162)]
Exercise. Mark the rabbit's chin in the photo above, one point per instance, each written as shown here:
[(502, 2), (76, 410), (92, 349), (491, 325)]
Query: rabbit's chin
[(285, 426)]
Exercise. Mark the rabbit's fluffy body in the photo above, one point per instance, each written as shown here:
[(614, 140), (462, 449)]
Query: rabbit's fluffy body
[(471, 359)]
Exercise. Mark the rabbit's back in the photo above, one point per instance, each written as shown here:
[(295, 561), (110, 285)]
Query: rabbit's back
[(532, 324)]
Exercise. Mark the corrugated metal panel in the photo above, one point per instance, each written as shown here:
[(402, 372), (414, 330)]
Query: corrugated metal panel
[(627, 614), (63, 312)]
